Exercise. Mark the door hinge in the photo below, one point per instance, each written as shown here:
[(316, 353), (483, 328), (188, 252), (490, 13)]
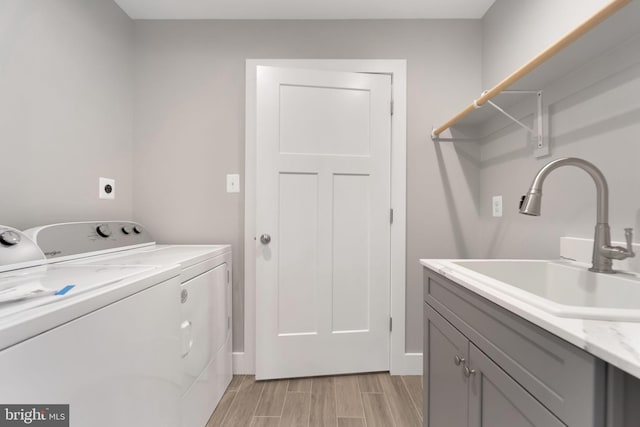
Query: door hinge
[(392, 107), (228, 276), (390, 216), (390, 324)]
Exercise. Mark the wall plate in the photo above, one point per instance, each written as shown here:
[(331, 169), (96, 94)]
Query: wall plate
[(107, 188), (496, 206), (233, 183)]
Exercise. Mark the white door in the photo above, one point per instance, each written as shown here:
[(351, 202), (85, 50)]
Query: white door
[(323, 198)]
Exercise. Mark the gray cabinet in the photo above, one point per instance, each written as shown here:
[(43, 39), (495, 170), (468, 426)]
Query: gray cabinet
[(445, 385), (496, 400), (513, 373), (464, 388)]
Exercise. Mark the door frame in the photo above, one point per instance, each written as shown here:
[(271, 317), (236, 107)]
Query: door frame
[(400, 362)]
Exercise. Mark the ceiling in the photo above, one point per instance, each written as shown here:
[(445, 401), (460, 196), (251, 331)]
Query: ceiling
[(305, 9)]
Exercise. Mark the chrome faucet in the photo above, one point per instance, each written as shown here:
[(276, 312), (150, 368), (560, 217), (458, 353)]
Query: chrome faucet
[(603, 252)]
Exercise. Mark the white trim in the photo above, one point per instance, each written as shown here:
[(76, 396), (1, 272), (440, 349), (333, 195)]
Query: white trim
[(400, 361), (243, 362), (408, 364)]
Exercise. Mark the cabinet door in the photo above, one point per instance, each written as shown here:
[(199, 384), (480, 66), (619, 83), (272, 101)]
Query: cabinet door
[(445, 386), (496, 400)]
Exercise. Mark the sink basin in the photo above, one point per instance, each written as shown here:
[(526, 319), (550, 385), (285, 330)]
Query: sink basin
[(563, 288)]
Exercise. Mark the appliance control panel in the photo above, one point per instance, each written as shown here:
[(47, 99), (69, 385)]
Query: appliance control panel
[(80, 239), (17, 250)]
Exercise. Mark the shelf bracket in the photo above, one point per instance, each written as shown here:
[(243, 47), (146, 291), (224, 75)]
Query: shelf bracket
[(513, 119), (541, 125), (542, 136)]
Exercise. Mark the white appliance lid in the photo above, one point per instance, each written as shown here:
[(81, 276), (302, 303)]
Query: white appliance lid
[(183, 255), (93, 288)]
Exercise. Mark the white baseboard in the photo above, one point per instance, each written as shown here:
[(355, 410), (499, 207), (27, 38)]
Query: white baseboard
[(243, 364), (409, 364)]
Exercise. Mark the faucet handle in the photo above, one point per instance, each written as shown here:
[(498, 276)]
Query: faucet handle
[(628, 234)]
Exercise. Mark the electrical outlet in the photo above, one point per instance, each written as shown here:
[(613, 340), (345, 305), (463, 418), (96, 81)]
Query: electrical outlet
[(233, 183), (497, 206), (107, 188)]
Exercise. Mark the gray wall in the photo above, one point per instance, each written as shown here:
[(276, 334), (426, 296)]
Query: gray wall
[(516, 31), (65, 110), (594, 114), (189, 128)]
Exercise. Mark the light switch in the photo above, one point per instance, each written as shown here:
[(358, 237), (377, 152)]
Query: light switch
[(106, 188), (233, 183), (497, 206)]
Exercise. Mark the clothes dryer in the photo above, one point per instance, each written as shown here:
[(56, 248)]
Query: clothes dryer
[(204, 301)]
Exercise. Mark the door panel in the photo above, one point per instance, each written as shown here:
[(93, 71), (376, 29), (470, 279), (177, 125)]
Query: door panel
[(496, 400), (351, 268), (298, 254), (446, 387), (323, 195), (309, 127)]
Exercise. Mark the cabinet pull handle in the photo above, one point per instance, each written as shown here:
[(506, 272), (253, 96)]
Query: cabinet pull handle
[(468, 372), (458, 360)]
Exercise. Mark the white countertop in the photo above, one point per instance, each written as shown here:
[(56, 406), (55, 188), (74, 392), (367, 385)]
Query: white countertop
[(617, 343)]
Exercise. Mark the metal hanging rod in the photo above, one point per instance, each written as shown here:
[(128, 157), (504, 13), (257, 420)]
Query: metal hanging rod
[(543, 56), (438, 139)]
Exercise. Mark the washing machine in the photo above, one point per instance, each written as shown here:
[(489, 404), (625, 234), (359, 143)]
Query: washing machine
[(101, 339), (204, 300)]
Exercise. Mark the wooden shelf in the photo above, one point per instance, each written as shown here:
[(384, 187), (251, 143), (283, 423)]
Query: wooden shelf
[(587, 41)]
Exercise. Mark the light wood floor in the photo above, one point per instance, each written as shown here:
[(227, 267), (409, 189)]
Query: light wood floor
[(368, 400)]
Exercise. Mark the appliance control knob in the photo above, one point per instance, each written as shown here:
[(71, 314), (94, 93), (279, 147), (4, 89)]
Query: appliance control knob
[(126, 229), (137, 229), (9, 238), (103, 230)]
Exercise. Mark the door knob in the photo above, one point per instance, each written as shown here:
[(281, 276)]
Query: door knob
[(459, 360), (265, 239)]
